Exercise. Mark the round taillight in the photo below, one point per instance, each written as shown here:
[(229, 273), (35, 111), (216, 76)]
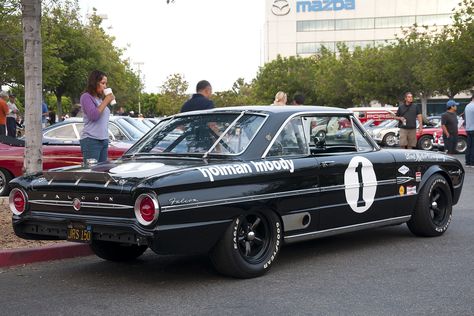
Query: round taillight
[(17, 201), (146, 208)]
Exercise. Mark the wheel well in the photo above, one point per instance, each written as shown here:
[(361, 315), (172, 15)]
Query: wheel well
[(436, 170)]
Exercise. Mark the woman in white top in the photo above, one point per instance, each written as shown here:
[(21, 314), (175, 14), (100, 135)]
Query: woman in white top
[(280, 98)]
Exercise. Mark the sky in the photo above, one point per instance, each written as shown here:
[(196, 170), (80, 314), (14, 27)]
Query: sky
[(216, 40)]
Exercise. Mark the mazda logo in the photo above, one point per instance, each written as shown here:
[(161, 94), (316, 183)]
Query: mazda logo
[(280, 7), (76, 204)]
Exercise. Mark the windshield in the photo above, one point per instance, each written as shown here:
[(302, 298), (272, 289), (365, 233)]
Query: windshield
[(138, 124), (134, 132), (223, 134)]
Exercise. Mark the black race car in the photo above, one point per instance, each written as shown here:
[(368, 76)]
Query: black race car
[(239, 183)]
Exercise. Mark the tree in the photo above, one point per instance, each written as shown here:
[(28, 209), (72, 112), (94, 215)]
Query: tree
[(172, 95), (288, 74), (242, 93), (31, 12)]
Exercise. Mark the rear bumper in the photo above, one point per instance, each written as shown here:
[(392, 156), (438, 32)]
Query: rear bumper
[(170, 239)]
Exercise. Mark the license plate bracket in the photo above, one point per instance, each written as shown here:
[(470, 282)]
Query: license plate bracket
[(79, 232)]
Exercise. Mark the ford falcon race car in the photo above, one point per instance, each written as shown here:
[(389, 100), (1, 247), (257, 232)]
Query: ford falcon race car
[(239, 183)]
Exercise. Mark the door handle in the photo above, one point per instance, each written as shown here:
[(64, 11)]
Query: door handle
[(327, 163)]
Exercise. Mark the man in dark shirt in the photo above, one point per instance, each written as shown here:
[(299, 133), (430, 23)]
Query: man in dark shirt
[(199, 100), (449, 124), (407, 114)]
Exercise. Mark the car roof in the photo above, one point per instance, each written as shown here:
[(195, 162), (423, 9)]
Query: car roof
[(267, 109)]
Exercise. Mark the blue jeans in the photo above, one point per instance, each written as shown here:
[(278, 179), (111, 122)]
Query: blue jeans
[(470, 148), (94, 148)]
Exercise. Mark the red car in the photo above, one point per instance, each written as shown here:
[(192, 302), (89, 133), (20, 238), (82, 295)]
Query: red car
[(11, 158), (430, 138)]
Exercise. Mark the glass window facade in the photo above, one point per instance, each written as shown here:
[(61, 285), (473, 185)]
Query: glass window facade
[(372, 23)]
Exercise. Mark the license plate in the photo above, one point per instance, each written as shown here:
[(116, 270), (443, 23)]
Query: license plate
[(79, 232)]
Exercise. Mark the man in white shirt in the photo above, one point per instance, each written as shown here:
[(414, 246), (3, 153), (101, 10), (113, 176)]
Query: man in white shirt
[(469, 118), (11, 116)]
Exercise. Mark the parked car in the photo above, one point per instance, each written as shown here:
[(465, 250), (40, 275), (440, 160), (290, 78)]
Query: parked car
[(239, 183), (386, 134), (12, 152), (69, 130), (378, 114), (429, 138)]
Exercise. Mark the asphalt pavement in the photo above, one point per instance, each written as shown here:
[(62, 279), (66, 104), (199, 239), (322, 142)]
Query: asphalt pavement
[(385, 271)]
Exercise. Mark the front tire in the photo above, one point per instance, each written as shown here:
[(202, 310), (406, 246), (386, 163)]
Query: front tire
[(433, 210), (249, 246), (5, 178), (113, 251)]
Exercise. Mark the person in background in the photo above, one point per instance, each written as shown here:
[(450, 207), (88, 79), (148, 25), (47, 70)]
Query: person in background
[(95, 135), (469, 121), (199, 100), (52, 117), (408, 114), (11, 117), (121, 111), (45, 114), (449, 124), (280, 98), (298, 99), (3, 112)]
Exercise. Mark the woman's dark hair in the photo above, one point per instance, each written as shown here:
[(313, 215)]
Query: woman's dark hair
[(94, 78)]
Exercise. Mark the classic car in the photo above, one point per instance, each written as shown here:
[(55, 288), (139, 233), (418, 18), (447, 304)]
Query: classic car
[(431, 137), (69, 130), (238, 183), (378, 114), (12, 152), (386, 134)]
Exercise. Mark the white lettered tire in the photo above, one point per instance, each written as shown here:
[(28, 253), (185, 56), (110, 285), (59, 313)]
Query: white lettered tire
[(434, 207), (249, 246)]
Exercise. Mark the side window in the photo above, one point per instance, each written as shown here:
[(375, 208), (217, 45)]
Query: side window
[(291, 140), (115, 133), (62, 132), (334, 134)]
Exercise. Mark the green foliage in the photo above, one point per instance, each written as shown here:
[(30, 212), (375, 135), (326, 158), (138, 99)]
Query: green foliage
[(172, 95), (242, 93), (288, 74)]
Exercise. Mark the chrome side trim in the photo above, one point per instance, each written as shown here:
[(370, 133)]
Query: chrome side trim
[(174, 208), (83, 204), (346, 229)]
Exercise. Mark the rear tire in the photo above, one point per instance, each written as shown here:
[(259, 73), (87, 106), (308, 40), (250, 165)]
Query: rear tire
[(433, 210), (113, 251), (249, 246), (389, 140), (461, 146), (5, 178), (425, 143)]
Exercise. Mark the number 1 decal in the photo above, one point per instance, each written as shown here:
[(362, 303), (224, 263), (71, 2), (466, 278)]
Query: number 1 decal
[(360, 184)]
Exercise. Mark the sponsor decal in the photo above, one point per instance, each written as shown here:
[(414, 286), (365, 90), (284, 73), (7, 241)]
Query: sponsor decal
[(422, 156), (401, 190), (360, 184), (324, 5), (401, 180), (280, 7), (247, 168), (411, 190), (418, 176), (403, 169)]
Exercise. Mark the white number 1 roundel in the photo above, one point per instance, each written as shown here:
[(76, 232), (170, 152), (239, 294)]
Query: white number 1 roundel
[(361, 184)]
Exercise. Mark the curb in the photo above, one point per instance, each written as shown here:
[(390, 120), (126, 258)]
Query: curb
[(13, 257)]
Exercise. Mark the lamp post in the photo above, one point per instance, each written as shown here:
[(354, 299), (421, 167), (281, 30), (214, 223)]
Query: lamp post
[(139, 64)]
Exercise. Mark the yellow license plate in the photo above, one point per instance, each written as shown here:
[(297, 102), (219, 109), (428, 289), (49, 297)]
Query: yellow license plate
[(79, 232)]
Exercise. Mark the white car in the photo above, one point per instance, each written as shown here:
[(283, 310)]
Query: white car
[(386, 134)]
